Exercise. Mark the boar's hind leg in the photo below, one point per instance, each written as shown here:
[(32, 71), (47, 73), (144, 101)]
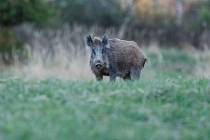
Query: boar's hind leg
[(135, 73), (127, 77)]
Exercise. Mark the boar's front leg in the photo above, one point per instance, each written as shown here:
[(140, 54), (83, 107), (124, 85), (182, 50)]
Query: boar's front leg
[(112, 73)]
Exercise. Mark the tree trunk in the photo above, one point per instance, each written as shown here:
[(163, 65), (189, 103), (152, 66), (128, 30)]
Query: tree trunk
[(156, 4), (127, 19), (179, 12)]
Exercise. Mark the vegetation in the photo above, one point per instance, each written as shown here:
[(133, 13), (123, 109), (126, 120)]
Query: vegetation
[(16, 12), (106, 13), (173, 104), (151, 20), (169, 102)]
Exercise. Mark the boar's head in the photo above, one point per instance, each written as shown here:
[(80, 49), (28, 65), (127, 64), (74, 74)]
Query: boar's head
[(98, 49)]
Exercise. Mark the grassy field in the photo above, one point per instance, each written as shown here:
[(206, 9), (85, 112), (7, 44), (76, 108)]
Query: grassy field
[(169, 103)]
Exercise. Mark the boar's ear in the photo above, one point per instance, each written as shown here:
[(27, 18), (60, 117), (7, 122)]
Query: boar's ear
[(105, 41), (89, 41)]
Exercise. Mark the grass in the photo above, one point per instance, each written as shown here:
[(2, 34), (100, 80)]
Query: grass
[(171, 104)]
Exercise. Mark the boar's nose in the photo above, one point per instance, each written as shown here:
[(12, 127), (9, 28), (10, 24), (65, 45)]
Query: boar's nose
[(98, 64)]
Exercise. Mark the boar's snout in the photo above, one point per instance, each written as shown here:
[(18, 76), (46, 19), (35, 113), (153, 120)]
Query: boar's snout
[(98, 64)]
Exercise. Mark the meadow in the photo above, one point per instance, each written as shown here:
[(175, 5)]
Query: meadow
[(170, 102)]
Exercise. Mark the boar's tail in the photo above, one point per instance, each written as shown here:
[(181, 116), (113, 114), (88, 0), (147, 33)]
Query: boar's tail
[(144, 61)]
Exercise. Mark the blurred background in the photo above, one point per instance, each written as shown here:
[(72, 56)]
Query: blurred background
[(42, 38)]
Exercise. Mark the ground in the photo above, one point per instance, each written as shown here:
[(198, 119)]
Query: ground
[(171, 101)]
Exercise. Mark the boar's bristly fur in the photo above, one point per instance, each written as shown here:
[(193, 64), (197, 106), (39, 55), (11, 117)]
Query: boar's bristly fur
[(115, 57)]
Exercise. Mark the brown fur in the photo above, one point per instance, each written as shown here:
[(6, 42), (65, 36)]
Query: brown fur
[(125, 56)]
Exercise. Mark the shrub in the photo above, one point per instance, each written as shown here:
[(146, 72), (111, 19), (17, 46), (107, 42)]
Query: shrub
[(16, 12), (89, 12), (19, 11)]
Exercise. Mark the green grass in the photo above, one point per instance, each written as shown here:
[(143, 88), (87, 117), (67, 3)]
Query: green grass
[(172, 104)]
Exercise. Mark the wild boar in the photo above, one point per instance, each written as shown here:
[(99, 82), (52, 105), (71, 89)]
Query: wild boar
[(115, 57)]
